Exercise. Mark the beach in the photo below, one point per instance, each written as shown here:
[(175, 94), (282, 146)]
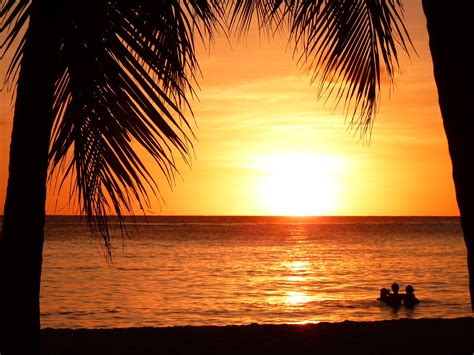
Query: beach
[(404, 336)]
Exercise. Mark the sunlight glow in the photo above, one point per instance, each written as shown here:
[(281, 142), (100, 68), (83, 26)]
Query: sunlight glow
[(298, 270), (298, 266), (299, 184), (296, 297)]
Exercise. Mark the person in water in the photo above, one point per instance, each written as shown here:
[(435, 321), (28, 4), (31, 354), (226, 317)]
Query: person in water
[(394, 298), (383, 294), (410, 299)]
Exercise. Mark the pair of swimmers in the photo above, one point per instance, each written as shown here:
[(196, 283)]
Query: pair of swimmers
[(395, 299)]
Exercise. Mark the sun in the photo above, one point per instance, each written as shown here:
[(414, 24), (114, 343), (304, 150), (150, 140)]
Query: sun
[(299, 184)]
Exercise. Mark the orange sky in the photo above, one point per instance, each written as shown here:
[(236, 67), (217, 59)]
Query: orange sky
[(267, 146)]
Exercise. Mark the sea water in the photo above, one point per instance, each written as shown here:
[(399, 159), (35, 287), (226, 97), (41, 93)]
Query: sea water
[(237, 270)]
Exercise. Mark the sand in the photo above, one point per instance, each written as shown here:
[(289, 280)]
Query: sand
[(405, 336)]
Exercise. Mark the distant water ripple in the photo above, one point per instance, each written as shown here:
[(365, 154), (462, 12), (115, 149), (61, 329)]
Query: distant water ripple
[(239, 270)]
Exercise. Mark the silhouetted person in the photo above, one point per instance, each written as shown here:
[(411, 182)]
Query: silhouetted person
[(394, 298), (383, 294), (410, 299)]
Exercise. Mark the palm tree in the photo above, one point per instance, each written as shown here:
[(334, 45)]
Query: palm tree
[(450, 33), (94, 81), (93, 84)]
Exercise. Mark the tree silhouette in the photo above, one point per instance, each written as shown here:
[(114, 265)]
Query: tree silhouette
[(450, 33), (96, 78)]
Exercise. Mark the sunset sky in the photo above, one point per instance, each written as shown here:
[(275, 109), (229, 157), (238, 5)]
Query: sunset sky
[(266, 146)]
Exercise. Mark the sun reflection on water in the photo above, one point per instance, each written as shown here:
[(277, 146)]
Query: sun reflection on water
[(296, 278), (296, 298), (298, 274), (298, 266)]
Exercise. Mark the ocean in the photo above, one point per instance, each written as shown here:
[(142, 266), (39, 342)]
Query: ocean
[(175, 271)]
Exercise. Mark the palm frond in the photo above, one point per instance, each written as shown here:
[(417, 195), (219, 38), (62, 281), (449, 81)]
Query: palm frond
[(268, 13), (14, 15), (347, 44), (127, 69)]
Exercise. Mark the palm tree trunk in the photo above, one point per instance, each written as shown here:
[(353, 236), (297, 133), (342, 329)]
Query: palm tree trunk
[(450, 36), (21, 243)]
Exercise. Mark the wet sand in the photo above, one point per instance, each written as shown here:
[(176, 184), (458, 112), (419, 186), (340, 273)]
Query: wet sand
[(405, 336)]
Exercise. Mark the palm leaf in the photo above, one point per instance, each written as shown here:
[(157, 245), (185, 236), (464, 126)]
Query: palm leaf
[(346, 44), (14, 15), (242, 12), (126, 71), (350, 43)]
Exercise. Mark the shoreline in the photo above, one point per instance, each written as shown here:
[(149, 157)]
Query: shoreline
[(412, 336)]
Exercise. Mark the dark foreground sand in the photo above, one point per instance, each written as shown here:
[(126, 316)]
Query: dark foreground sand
[(424, 336)]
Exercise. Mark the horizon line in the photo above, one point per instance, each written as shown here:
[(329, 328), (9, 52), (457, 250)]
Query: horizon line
[(245, 215)]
